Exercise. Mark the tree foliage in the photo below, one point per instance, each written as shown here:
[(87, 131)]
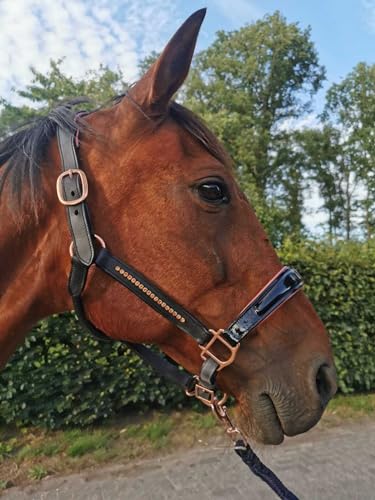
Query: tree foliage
[(324, 163), (48, 90), (350, 107)]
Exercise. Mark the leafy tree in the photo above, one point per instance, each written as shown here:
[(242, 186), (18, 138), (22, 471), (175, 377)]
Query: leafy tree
[(350, 106), (322, 152), (47, 91), (291, 182)]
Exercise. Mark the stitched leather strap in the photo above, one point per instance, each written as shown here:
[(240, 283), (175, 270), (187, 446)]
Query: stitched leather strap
[(77, 215), (164, 367), (152, 295)]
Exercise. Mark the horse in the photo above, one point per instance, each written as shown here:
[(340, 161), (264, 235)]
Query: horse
[(162, 195)]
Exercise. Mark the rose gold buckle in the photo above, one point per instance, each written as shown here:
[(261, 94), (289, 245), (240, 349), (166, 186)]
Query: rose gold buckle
[(60, 191), (208, 396), (217, 335), (101, 241)]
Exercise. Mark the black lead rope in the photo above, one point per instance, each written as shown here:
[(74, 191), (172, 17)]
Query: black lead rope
[(168, 370), (174, 374), (258, 468)]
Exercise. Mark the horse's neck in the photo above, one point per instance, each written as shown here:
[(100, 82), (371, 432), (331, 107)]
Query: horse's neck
[(32, 277)]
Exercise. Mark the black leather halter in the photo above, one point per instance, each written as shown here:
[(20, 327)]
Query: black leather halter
[(72, 191)]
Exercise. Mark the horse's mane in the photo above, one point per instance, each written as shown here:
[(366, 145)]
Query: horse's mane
[(22, 153)]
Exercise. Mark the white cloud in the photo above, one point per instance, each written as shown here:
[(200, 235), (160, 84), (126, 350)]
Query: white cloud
[(369, 7), (87, 34)]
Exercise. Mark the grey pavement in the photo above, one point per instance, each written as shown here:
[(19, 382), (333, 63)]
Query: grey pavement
[(336, 463)]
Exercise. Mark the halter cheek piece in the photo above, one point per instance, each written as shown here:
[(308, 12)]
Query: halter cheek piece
[(72, 192)]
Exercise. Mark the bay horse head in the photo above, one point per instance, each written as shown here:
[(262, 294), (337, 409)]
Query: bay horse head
[(162, 195)]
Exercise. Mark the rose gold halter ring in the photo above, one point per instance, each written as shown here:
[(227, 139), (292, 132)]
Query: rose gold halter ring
[(101, 241), (217, 336)]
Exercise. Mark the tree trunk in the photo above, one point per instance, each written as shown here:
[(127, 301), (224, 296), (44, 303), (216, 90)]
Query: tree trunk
[(348, 206)]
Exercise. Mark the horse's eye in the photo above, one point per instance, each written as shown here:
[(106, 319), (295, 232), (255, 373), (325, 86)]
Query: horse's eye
[(213, 192)]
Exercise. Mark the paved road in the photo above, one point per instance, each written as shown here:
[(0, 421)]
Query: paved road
[(337, 463)]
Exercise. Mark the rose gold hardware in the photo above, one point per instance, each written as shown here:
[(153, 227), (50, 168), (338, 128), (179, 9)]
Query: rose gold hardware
[(60, 191), (217, 407), (217, 336), (221, 414), (101, 241), (208, 401), (192, 392), (211, 399)]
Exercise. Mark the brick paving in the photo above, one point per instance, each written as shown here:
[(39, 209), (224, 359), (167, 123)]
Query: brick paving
[(336, 463)]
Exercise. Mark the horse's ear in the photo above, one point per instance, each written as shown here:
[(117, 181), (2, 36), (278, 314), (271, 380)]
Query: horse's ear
[(169, 71)]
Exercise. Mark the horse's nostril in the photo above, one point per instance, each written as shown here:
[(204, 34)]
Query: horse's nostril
[(326, 383)]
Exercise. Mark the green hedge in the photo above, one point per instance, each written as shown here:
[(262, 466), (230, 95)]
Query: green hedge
[(340, 282), (61, 377)]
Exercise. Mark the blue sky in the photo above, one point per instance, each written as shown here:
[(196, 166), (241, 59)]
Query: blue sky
[(119, 32)]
